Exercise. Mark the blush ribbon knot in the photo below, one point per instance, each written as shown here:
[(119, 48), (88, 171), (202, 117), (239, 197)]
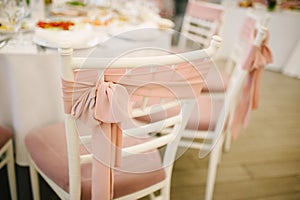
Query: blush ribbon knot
[(257, 58), (101, 106)]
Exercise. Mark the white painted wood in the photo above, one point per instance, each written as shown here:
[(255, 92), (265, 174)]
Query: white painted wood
[(11, 170), (175, 124), (198, 30), (34, 181), (7, 158), (212, 141)]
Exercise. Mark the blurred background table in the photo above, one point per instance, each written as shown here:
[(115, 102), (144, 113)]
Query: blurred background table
[(284, 27)]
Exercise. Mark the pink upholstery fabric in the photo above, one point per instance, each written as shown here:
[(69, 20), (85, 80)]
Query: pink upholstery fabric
[(5, 135), (204, 116), (217, 81), (47, 147), (248, 31), (201, 10), (102, 115)]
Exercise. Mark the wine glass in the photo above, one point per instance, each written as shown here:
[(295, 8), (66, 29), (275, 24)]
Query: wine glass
[(2, 3), (15, 11)]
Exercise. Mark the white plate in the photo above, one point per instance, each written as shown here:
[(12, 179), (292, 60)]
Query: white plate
[(78, 38), (43, 42)]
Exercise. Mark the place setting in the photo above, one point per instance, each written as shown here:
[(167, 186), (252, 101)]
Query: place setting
[(81, 24)]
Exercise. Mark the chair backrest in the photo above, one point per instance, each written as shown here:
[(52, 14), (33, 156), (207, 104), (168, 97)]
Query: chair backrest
[(247, 33), (207, 140), (237, 83), (166, 76), (201, 21)]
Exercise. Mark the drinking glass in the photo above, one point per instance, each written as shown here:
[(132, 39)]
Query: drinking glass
[(15, 11)]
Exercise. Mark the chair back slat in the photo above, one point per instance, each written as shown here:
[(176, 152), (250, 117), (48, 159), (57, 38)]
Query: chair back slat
[(202, 20)]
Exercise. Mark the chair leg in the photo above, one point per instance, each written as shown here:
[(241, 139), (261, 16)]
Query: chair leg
[(165, 192), (212, 170), (11, 171), (34, 182), (220, 148), (227, 141), (152, 196)]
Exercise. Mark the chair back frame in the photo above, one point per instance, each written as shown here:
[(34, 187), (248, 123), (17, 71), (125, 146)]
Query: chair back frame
[(201, 21), (231, 98), (212, 141), (70, 63)]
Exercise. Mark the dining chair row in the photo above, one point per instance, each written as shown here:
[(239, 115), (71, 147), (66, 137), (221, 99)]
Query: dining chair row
[(223, 94), (220, 98), (68, 157), (229, 96)]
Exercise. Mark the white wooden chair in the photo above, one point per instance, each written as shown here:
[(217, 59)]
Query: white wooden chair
[(201, 21), (233, 60), (218, 78), (7, 158), (206, 130), (56, 151)]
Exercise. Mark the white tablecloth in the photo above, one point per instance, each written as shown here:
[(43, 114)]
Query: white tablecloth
[(30, 85), (284, 27), (30, 95), (292, 67)]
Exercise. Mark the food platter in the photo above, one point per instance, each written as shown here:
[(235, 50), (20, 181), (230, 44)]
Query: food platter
[(56, 33)]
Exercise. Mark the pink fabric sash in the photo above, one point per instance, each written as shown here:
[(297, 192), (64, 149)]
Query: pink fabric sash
[(257, 58), (200, 10), (107, 112), (101, 106)]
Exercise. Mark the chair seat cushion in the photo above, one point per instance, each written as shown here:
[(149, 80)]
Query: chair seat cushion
[(216, 81), (206, 116), (5, 135), (203, 117), (47, 148)]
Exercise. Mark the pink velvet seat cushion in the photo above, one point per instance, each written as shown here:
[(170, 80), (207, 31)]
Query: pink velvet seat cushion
[(216, 81), (206, 116), (47, 147), (203, 117), (5, 135)]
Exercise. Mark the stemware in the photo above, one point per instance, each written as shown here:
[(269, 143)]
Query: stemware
[(15, 11)]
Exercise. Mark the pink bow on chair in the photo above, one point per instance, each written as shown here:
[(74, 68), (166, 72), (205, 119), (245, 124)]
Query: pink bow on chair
[(204, 11), (257, 58), (102, 108), (262, 57)]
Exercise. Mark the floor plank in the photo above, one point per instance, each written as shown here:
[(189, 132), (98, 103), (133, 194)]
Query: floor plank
[(264, 161)]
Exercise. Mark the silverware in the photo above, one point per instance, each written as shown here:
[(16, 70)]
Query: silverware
[(41, 48), (7, 37), (4, 41)]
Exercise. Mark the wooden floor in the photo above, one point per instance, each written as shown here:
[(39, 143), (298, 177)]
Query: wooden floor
[(264, 162)]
